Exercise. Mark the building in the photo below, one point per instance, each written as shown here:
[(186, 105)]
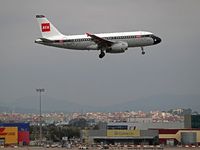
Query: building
[(8, 135), (179, 136), (139, 119), (139, 125), (119, 133), (120, 137), (14, 133), (192, 121), (136, 133)]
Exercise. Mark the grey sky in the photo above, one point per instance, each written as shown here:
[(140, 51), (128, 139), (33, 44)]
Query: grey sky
[(80, 76)]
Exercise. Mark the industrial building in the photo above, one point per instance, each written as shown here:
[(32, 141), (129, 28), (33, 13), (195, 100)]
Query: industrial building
[(139, 125), (179, 136), (189, 135), (120, 133), (122, 137), (14, 133), (192, 121), (144, 133)]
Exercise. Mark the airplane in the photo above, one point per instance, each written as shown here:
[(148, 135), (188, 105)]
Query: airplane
[(117, 42)]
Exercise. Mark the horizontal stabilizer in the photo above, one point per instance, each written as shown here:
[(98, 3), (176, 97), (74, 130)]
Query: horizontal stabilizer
[(46, 40)]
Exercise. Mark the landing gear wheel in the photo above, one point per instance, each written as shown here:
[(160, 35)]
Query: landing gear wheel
[(143, 52), (102, 54)]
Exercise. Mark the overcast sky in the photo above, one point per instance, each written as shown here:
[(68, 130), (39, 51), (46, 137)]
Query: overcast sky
[(173, 66)]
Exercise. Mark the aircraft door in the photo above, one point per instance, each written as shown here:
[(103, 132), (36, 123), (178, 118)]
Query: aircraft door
[(142, 36)]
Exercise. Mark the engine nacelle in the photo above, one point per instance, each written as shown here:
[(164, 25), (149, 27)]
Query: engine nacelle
[(119, 47)]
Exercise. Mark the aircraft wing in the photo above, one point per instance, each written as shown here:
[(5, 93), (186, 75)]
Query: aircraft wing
[(99, 40)]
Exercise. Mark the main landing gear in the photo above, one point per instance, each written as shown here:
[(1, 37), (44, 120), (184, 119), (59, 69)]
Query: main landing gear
[(143, 52), (102, 54)]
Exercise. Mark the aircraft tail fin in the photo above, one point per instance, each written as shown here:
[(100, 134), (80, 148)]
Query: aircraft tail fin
[(46, 28)]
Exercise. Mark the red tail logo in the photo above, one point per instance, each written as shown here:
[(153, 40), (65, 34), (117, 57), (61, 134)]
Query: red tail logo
[(45, 27)]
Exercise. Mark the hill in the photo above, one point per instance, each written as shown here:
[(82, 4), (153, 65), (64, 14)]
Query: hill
[(162, 102)]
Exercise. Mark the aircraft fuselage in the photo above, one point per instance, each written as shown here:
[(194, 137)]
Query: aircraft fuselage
[(117, 42)]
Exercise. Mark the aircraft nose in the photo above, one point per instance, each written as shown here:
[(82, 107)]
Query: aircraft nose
[(156, 40)]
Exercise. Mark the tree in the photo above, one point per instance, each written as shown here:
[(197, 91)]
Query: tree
[(55, 133), (195, 112), (96, 127)]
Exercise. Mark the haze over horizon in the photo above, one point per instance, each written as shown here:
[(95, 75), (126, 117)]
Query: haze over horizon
[(80, 76), (162, 102)]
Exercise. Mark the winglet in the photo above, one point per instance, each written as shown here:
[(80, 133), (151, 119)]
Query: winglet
[(88, 34)]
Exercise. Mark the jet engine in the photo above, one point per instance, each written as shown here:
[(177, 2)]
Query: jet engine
[(119, 47)]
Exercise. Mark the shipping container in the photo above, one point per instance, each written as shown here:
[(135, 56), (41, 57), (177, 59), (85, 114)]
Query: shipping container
[(23, 136), (21, 126)]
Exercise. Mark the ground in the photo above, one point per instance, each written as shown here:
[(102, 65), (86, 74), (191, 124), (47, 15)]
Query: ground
[(40, 148)]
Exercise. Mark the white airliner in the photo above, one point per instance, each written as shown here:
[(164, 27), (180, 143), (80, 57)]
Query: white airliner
[(105, 42)]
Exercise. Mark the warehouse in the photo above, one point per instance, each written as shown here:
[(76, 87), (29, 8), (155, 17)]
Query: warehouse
[(8, 135), (122, 137), (179, 136), (14, 133)]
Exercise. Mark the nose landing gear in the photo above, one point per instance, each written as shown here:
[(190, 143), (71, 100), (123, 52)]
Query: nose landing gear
[(143, 52)]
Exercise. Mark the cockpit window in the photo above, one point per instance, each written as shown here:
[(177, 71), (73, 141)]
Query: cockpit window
[(148, 35), (151, 35)]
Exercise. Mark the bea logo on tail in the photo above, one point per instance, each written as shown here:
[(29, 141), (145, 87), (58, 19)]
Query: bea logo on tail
[(45, 27)]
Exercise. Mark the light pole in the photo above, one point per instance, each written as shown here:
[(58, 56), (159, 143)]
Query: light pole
[(40, 90)]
